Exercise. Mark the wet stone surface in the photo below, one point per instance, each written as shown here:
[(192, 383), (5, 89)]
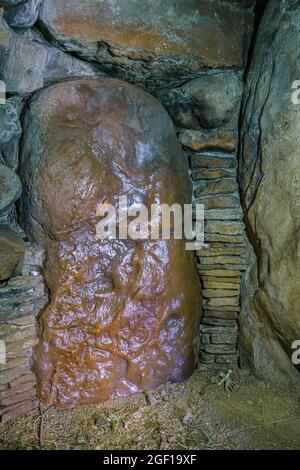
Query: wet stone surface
[(124, 314)]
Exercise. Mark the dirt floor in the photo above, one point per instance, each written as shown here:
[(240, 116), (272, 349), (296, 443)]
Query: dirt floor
[(209, 411)]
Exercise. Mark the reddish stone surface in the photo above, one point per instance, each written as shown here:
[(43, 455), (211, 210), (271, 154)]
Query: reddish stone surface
[(124, 314)]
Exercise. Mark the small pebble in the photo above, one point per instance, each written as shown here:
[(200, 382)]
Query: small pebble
[(188, 418)]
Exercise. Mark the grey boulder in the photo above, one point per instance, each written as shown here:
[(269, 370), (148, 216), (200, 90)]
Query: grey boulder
[(10, 188), (151, 42), (217, 95), (10, 127)]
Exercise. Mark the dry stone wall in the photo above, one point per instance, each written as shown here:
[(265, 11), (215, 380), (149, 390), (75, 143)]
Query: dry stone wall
[(206, 112), (21, 300)]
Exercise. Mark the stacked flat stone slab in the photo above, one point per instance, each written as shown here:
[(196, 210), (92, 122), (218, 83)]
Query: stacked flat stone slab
[(21, 299), (221, 261)]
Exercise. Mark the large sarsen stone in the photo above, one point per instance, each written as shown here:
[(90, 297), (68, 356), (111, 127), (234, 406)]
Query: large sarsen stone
[(124, 314)]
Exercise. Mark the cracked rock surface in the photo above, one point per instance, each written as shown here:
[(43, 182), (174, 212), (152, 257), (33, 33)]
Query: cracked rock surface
[(270, 182)]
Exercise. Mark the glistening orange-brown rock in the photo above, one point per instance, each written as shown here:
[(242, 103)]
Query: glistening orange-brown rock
[(124, 314)]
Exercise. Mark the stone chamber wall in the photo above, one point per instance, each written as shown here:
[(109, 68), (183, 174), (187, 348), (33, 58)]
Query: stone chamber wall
[(201, 92), (196, 70)]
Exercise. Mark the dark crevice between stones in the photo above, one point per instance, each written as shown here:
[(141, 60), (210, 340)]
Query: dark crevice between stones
[(258, 14)]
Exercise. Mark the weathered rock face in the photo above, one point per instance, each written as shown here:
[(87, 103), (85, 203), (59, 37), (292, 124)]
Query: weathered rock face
[(243, 3), (28, 63), (217, 95), (11, 252), (21, 298), (270, 180), (124, 314), (24, 15), (10, 131), (10, 188), (10, 127), (150, 42), (212, 100)]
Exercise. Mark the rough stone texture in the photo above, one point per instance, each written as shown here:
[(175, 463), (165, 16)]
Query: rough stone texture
[(212, 100), (10, 188), (221, 249), (222, 201), (124, 314), (24, 15), (221, 259), (220, 285), (211, 174), (10, 127), (243, 3), (178, 106), (270, 181), (220, 264), (218, 96), (10, 131), (34, 259), (219, 272), (216, 237), (218, 343), (21, 299), (224, 214), (151, 42), (168, 55), (209, 140), (213, 160), (11, 252), (218, 186), (224, 227), (27, 65)]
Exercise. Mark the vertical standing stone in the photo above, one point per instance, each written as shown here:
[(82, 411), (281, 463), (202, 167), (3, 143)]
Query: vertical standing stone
[(21, 299), (124, 314), (270, 187)]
